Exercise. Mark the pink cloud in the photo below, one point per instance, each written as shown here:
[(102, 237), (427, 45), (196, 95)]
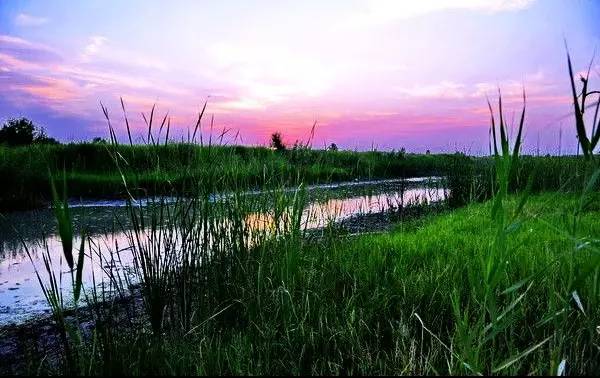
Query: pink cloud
[(52, 89)]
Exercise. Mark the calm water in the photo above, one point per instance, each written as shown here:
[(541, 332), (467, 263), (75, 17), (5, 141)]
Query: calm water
[(22, 298)]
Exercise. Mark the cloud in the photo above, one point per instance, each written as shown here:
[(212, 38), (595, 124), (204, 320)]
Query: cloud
[(10, 63), (38, 78), (9, 39), (36, 90), (100, 49), (19, 54), (535, 84), (444, 89), (52, 89), (267, 75), (24, 19), (384, 11), (239, 104), (16, 43), (93, 47)]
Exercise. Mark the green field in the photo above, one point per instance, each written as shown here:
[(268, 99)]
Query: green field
[(91, 171), (418, 300), (502, 278), (180, 169)]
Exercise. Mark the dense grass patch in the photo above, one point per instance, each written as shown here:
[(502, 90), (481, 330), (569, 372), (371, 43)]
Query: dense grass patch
[(91, 170), (404, 302), (181, 169), (504, 281)]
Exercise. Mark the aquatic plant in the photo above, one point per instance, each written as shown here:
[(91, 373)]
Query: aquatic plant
[(588, 143), (237, 286)]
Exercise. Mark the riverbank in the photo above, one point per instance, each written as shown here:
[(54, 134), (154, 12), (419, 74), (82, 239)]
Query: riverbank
[(409, 301), (26, 339), (350, 207), (92, 172)]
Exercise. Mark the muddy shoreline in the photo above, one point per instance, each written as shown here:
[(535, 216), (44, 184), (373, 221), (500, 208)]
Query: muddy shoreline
[(25, 347), (349, 227), (22, 343)]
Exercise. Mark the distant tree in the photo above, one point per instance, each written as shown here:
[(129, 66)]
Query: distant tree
[(17, 132), (333, 147), (98, 140), (427, 152), (22, 132), (42, 138), (277, 142)]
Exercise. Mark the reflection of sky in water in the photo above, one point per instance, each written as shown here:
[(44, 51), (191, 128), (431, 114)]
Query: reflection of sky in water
[(20, 293), (318, 214)]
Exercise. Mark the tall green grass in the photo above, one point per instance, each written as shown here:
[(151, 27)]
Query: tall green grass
[(237, 286), (92, 173), (335, 306), (587, 143)]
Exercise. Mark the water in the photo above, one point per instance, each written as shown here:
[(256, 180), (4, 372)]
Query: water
[(107, 247)]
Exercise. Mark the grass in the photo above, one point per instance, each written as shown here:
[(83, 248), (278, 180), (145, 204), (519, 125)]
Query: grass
[(507, 286), (587, 143), (177, 168), (508, 282), (459, 293), (238, 286), (92, 173), (386, 304)]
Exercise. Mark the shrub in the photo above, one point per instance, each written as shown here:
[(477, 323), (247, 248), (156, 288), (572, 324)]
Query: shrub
[(22, 132), (277, 142)]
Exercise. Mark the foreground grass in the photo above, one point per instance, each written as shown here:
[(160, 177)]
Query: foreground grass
[(404, 302)]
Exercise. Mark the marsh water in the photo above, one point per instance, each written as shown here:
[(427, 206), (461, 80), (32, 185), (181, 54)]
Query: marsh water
[(26, 237)]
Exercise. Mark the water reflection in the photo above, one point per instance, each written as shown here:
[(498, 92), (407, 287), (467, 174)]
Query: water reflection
[(109, 244)]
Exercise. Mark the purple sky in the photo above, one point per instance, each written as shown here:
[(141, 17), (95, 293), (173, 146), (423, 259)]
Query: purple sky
[(387, 74)]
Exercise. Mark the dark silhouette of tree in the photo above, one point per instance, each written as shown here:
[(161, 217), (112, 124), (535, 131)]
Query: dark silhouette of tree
[(22, 132), (42, 138), (333, 147), (402, 153), (277, 142)]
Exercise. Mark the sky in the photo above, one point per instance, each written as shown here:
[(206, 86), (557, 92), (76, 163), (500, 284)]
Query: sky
[(381, 74)]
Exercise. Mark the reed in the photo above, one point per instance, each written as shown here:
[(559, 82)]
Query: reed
[(588, 143), (505, 283)]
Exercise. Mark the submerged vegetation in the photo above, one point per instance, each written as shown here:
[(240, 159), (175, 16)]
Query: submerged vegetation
[(507, 281)]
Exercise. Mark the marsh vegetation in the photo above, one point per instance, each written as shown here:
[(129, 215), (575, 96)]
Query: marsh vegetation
[(210, 275)]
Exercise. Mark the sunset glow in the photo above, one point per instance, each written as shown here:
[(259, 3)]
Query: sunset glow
[(381, 73)]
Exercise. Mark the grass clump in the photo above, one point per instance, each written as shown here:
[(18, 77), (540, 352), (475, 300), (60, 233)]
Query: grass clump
[(165, 169), (407, 302), (238, 286), (587, 143)]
